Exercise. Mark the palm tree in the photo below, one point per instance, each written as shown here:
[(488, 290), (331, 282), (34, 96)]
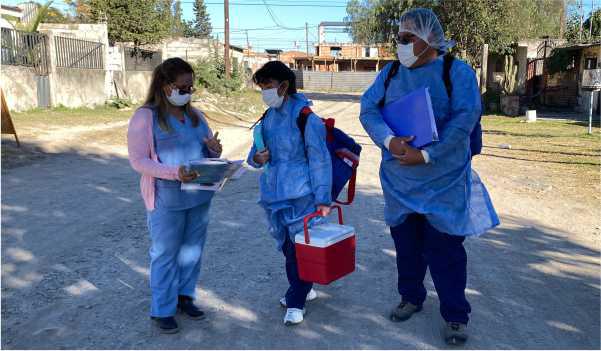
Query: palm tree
[(40, 16)]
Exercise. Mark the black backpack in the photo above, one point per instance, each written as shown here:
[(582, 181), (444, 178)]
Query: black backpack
[(476, 134)]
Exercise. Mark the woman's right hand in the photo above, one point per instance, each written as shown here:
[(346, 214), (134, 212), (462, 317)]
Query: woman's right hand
[(185, 176), (261, 157)]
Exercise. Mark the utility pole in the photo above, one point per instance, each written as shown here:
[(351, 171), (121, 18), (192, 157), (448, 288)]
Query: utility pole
[(590, 24), (307, 37), (581, 18), (226, 53), (247, 44)]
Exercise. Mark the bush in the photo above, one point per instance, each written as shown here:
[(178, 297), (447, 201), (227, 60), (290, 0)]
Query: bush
[(210, 74), (120, 103)]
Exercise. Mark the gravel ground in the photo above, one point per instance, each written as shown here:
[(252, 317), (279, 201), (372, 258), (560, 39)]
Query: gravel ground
[(75, 261)]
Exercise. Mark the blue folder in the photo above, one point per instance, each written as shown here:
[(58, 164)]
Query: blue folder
[(258, 140), (412, 115)]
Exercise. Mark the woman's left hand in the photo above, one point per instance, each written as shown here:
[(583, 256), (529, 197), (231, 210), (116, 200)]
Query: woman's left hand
[(214, 144), (410, 156), (325, 210)]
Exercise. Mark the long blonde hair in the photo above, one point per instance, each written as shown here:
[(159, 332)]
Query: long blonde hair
[(164, 74)]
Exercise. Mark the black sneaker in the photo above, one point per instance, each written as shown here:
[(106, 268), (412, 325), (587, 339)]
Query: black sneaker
[(404, 311), (166, 325), (185, 304), (455, 333)]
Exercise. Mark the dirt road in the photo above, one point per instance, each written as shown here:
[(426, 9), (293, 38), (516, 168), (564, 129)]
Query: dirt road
[(75, 263)]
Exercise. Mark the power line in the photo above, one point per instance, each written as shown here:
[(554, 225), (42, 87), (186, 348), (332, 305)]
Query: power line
[(327, 5), (273, 16)]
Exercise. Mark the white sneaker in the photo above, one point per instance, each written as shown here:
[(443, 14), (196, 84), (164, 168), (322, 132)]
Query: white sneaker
[(294, 316), (312, 295)]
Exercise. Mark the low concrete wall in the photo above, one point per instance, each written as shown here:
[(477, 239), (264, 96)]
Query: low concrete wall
[(136, 84), (336, 81), (78, 87), (20, 87), (190, 49)]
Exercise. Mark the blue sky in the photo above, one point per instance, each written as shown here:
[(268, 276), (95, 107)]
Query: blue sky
[(255, 15)]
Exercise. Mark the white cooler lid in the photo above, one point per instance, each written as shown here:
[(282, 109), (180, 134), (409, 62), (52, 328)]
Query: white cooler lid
[(324, 235)]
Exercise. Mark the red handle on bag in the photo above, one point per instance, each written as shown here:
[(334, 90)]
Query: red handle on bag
[(353, 161), (318, 214)]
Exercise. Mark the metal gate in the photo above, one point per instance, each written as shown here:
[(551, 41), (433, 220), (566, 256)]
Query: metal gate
[(535, 84), (43, 87), (28, 50)]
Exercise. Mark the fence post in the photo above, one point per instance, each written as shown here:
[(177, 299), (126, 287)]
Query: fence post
[(484, 69), (331, 81), (52, 72)]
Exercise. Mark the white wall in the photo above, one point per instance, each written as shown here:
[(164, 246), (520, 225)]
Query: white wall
[(79, 87), (136, 84), (20, 87)]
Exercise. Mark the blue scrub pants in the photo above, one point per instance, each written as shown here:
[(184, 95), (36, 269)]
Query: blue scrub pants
[(419, 246), (178, 238), (298, 290)]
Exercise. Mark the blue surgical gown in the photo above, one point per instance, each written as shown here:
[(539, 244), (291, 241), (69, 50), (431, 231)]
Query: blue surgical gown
[(299, 176), (446, 190)]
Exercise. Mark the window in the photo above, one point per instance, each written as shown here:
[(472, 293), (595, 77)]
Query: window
[(365, 52), (335, 51), (590, 63)]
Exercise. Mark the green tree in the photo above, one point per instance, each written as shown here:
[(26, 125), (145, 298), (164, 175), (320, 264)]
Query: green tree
[(202, 20), (165, 8), (572, 33), (178, 27), (472, 23), (81, 11), (189, 30), (136, 21), (40, 16), (55, 15)]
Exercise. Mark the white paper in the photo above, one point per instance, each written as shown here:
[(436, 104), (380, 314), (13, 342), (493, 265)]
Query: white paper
[(234, 171)]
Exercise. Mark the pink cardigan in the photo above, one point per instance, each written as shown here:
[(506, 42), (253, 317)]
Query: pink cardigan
[(142, 156)]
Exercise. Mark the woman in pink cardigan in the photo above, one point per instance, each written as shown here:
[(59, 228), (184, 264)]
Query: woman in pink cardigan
[(163, 136)]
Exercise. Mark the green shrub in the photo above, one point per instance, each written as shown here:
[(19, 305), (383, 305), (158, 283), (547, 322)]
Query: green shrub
[(119, 103), (210, 74)]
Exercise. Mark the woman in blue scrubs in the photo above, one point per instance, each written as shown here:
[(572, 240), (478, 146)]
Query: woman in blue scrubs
[(433, 198), (298, 176), (163, 136)]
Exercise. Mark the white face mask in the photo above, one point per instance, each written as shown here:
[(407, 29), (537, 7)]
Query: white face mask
[(271, 97), (178, 100), (406, 56)]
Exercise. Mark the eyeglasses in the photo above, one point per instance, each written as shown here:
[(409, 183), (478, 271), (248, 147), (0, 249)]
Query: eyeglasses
[(405, 39), (184, 91)]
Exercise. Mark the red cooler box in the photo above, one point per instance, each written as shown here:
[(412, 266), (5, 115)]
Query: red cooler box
[(325, 252)]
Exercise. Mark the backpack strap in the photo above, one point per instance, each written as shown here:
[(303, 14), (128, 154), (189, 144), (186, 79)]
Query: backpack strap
[(352, 160), (302, 119), (394, 69), (259, 120), (446, 73)]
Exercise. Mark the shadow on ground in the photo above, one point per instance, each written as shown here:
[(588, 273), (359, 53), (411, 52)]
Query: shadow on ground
[(75, 274)]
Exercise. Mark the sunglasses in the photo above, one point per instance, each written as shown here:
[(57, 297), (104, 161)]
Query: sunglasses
[(184, 91), (405, 39)]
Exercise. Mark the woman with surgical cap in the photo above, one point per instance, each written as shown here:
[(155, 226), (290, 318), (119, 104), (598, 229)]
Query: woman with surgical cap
[(433, 198)]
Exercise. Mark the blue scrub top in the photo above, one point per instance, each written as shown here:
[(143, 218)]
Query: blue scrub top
[(177, 147), (299, 176), (446, 190)]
